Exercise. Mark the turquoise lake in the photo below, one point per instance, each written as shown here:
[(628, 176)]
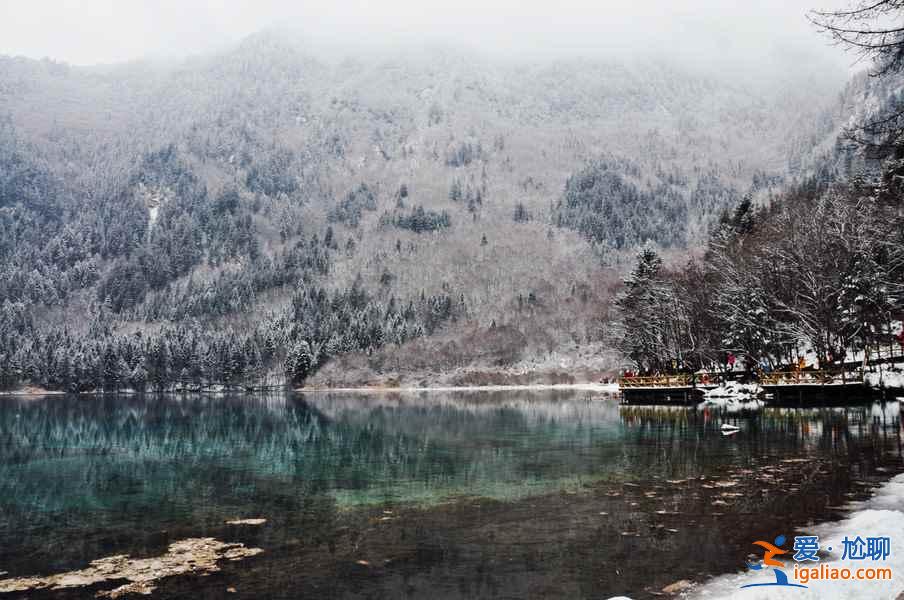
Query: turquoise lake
[(441, 494)]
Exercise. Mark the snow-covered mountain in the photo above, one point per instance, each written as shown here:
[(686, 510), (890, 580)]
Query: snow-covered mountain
[(495, 198)]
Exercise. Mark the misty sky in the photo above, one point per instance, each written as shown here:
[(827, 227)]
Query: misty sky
[(105, 31)]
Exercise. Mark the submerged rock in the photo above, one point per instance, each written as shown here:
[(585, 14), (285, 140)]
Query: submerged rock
[(193, 555), (677, 587)]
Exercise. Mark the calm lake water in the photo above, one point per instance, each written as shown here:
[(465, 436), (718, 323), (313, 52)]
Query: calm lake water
[(447, 495)]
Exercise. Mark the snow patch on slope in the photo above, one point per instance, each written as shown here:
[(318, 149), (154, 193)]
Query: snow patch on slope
[(153, 198)]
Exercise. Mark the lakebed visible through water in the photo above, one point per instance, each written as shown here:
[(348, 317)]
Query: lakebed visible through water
[(444, 494)]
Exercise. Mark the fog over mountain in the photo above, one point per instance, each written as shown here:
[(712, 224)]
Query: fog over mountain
[(707, 31), (377, 196)]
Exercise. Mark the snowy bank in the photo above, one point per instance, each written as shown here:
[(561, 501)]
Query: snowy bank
[(880, 516)]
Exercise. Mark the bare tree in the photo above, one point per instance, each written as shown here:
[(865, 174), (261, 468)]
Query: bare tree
[(874, 30)]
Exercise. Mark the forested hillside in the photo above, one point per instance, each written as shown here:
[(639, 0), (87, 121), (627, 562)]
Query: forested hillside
[(816, 275), (271, 212)]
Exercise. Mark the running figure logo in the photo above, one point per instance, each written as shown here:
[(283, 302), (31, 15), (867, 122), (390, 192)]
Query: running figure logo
[(772, 550)]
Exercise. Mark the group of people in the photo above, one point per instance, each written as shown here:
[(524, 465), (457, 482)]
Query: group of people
[(732, 364)]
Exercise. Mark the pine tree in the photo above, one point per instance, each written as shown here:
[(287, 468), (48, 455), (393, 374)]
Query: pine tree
[(455, 192), (139, 378), (111, 372), (642, 330), (298, 363)]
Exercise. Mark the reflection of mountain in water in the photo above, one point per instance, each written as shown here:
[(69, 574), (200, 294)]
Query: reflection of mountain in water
[(460, 416), (109, 465)]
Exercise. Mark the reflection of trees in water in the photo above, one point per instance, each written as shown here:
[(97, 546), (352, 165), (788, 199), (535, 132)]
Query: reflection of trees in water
[(108, 458), (690, 437), (165, 447), (186, 429), (169, 449), (90, 470), (108, 465), (498, 444), (126, 464)]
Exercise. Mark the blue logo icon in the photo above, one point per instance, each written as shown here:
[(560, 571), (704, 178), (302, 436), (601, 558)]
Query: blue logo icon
[(771, 550)]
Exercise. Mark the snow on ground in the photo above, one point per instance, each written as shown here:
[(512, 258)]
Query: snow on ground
[(881, 516), (886, 378), (733, 396), (734, 390)]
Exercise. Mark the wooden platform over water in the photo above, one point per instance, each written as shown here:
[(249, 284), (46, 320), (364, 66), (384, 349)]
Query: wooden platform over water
[(683, 396), (785, 388)]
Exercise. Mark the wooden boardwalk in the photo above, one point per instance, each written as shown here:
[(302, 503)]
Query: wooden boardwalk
[(781, 387), (824, 377)]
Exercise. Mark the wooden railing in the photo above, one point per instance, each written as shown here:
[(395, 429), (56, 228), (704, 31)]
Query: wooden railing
[(656, 381), (773, 378), (809, 377)]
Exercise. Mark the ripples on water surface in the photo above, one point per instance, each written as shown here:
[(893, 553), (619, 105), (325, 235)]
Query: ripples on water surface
[(462, 494)]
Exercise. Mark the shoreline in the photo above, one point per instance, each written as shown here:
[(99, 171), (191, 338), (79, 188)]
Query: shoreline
[(608, 388), (611, 388), (879, 515), (590, 387)]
